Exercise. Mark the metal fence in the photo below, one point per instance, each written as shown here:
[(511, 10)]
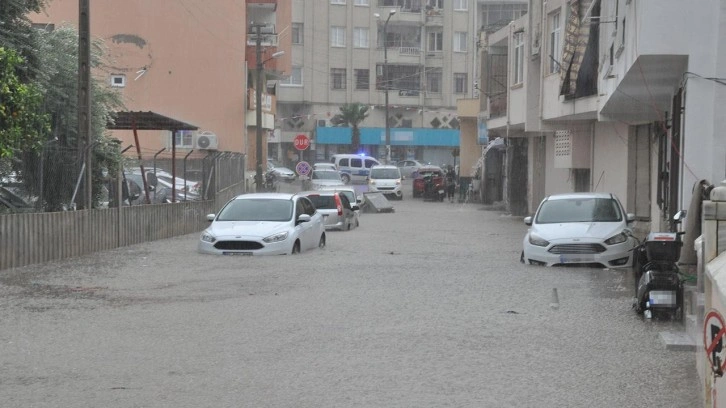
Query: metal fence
[(29, 236)]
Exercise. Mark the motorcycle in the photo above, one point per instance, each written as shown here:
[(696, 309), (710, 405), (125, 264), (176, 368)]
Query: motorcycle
[(658, 280), (271, 183), (433, 190)]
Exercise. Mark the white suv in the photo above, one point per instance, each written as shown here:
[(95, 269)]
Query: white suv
[(386, 179)]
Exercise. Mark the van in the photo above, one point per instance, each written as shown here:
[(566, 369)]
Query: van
[(353, 167), (387, 180)]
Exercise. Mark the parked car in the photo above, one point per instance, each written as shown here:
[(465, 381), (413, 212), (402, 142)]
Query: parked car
[(409, 167), (188, 190), (350, 193), (13, 203), (282, 173), (338, 212), (325, 166), (323, 178), (419, 183), (159, 193), (579, 228), (264, 224), (353, 167), (387, 180)]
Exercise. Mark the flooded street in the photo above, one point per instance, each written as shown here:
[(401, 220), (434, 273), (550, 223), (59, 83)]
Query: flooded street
[(424, 307)]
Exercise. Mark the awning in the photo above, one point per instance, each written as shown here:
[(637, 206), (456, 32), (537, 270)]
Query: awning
[(146, 121)]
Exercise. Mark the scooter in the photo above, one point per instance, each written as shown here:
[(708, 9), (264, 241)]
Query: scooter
[(658, 280), (433, 190), (271, 182)]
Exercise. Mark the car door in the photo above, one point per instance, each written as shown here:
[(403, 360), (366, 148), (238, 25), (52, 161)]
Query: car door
[(348, 213), (308, 230)]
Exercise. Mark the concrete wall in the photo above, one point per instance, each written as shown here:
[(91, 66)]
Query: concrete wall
[(610, 159)]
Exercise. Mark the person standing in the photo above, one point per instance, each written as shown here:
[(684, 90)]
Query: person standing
[(450, 183)]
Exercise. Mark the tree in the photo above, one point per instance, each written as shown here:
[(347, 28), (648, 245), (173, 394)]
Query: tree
[(57, 153), (17, 33), (22, 122), (351, 115)]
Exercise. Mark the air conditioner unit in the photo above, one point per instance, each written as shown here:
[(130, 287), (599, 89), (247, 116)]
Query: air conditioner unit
[(206, 141)]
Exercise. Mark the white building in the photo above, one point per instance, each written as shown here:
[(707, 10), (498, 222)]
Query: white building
[(593, 110)]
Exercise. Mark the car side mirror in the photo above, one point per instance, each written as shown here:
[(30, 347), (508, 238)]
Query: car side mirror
[(303, 218), (528, 220), (355, 207), (210, 217), (630, 218)]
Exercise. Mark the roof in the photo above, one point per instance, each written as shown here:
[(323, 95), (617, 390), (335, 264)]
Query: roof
[(575, 196), (276, 196), (147, 121)]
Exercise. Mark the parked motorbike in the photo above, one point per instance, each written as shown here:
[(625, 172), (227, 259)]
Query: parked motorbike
[(271, 182), (658, 280), (433, 190)]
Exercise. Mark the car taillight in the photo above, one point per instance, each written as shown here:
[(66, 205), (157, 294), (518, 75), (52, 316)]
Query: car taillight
[(339, 205)]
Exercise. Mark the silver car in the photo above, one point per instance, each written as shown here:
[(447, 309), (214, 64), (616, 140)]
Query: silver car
[(323, 178), (337, 211)]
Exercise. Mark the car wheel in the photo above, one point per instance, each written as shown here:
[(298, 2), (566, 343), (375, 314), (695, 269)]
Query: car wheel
[(321, 244), (296, 248), (345, 178)]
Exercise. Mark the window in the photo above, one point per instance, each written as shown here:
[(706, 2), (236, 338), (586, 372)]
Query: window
[(337, 36), (337, 1), (297, 33), (183, 138), (360, 37), (362, 79), (460, 41), (460, 83), (356, 163), (436, 41), (337, 78), (295, 78), (433, 81), (518, 63), (118, 81), (436, 3), (555, 42), (461, 5), (361, 2)]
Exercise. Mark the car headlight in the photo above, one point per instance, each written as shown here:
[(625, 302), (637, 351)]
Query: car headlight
[(617, 239), (276, 238), (536, 240), (207, 237)]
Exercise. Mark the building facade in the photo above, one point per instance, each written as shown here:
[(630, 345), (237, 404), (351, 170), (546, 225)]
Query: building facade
[(186, 62), (341, 53)]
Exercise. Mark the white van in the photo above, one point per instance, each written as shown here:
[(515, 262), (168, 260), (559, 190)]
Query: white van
[(387, 180), (353, 167)]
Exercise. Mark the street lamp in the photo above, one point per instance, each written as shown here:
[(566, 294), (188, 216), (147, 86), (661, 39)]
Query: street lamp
[(386, 81), (259, 182)]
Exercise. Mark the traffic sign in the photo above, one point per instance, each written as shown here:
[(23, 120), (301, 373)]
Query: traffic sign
[(301, 142), (303, 168), (713, 333)]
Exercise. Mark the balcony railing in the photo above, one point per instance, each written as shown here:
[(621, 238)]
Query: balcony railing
[(409, 51)]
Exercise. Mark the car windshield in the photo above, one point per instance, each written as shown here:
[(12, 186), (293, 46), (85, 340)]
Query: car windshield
[(579, 210), (326, 175), (259, 209), (425, 173), (323, 202), (385, 174)]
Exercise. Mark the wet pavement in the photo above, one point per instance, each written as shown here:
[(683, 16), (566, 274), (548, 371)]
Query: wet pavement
[(424, 307)]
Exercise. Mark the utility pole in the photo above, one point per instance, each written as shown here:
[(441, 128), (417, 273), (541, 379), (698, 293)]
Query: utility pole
[(259, 182), (85, 152)]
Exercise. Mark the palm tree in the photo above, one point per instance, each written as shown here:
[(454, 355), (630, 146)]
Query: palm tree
[(351, 114)]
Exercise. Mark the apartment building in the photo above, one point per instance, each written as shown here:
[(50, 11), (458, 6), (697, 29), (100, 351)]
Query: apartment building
[(187, 61), (340, 52), (584, 94)]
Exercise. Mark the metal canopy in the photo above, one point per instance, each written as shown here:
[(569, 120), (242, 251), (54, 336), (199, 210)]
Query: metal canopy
[(147, 121)]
